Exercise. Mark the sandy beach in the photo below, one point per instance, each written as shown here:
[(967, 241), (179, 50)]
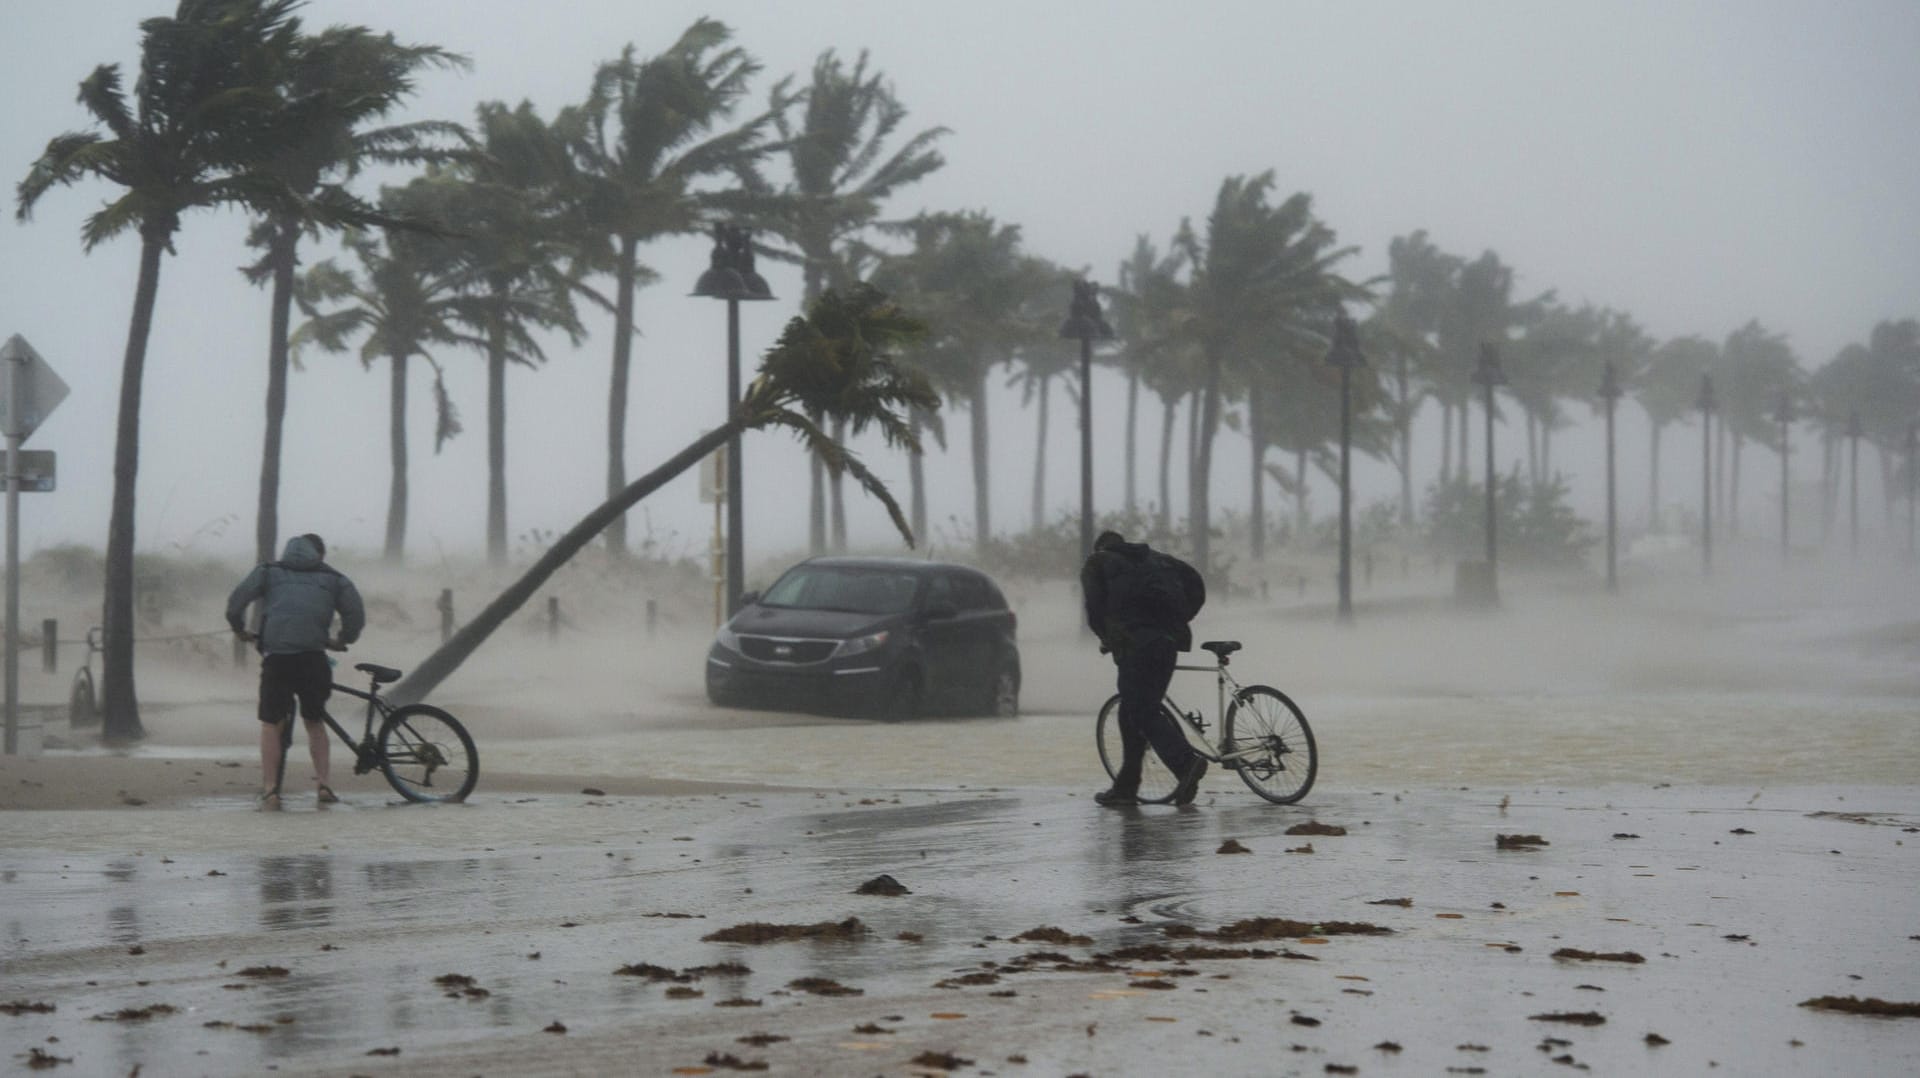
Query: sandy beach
[(1721, 786)]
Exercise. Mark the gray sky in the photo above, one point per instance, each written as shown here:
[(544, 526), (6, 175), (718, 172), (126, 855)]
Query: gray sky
[(1694, 164)]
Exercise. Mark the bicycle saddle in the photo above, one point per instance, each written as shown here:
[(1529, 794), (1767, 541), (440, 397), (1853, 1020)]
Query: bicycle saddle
[(380, 674), (1221, 648)]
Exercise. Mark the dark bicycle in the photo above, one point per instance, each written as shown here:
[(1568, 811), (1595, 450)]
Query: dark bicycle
[(424, 752), (83, 704)]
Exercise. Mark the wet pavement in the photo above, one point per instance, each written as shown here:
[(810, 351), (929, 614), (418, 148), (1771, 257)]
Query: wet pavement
[(487, 938)]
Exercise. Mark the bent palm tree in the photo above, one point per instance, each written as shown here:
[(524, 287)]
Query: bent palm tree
[(838, 361), (196, 130)]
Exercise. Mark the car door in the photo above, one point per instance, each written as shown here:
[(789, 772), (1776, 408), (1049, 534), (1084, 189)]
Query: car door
[(978, 632), (942, 636)]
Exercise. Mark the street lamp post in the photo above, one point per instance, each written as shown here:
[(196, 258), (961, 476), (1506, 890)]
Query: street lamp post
[(1913, 478), (1783, 415), (1489, 374), (1610, 395), (1853, 481), (730, 276), (1085, 324), (1344, 353), (1705, 404)]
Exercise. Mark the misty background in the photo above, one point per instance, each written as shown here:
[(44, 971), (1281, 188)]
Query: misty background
[(1695, 165)]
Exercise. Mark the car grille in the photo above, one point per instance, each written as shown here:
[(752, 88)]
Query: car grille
[(774, 649)]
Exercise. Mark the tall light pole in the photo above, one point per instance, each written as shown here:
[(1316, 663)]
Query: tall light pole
[(1853, 481), (730, 276), (1783, 415), (1488, 374), (1085, 324), (1705, 404), (1913, 478), (1344, 353), (1609, 396)]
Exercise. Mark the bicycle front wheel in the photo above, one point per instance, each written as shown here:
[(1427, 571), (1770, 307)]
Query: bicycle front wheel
[(1267, 740), (1156, 782), (427, 756)]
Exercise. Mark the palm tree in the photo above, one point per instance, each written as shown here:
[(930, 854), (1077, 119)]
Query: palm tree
[(407, 304), (1146, 309), (1404, 336), (838, 361), (198, 127), (514, 259), (333, 84), (1667, 394), (1258, 277), (966, 275), (1480, 310), (1755, 368), (1041, 360), (640, 146), (842, 175)]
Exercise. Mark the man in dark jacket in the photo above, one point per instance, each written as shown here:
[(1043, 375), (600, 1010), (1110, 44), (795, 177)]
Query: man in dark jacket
[(302, 594), (1144, 639)]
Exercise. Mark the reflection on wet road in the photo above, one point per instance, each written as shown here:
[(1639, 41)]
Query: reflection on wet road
[(462, 935)]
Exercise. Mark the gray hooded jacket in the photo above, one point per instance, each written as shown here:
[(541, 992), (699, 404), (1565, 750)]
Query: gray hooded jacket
[(302, 594)]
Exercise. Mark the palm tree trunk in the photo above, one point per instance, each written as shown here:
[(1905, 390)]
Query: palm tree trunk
[(1653, 481), (119, 705), (1446, 443), (916, 477), (1733, 491), (1403, 420), (837, 491), (1300, 518), (977, 424), (816, 497), (1829, 484), (435, 668), (397, 449), (1256, 438), (1546, 450), (280, 256), (1133, 415), (497, 431), (1199, 506), (618, 391), (1533, 449), (1465, 429), (1169, 412), (1040, 460)]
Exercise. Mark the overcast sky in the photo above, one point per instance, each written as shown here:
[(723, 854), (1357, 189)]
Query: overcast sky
[(1694, 164)]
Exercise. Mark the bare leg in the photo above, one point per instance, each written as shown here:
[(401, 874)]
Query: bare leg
[(269, 756), (319, 746)]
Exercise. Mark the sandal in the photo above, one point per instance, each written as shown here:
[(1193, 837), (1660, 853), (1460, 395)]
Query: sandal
[(326, 795), (267, 801)]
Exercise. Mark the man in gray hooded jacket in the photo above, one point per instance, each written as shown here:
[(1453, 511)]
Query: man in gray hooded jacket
[(302, 594)]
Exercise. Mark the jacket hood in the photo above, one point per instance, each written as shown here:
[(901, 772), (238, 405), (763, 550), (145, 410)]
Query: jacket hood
[(300, 553), (1129, 551)]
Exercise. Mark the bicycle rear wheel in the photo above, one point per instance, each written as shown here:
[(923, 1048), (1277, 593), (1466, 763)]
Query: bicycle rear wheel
[(1156, 782), (426, 755), (1267, 740)]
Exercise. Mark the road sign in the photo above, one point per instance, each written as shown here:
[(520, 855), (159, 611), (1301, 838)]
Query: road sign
[(29, 390), (36, 471)]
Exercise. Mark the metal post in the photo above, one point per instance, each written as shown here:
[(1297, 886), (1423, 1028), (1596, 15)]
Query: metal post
[(1613, 532), (1913, 435), (1346, 492), (49, 645), (736, 537), (1853, 485), (16, 386), (1705, 404), (1086, 447), (1491, 576), (1786, 447)]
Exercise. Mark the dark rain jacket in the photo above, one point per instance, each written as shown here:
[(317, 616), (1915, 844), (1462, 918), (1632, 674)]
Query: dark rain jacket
[(1116, 611), (302, 595)]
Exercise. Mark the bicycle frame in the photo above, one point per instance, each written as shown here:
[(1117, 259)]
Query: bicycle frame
[(363, 749), (1226, 687)]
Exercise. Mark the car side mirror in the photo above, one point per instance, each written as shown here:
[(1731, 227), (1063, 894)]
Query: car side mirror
[(942, 612), (748, 598)]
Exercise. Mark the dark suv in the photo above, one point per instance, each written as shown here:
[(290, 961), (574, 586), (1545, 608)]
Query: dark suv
[(888, 637)]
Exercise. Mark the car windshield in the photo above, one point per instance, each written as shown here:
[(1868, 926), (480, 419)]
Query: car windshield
[(856, 591)]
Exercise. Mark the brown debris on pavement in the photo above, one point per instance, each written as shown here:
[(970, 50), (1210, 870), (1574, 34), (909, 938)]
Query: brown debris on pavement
[(1050, 934), (1232, 845), (21, 1006), (1576, 1018), (1574, 954), (824, 986), (882, 884), (945, 1061), (136, 1014), (1315, 827), (1269, 928), (764, 932), (729, 1061), (1879, 1008), (1518, 842)]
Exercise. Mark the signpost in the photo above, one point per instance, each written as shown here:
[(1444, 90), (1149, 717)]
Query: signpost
[(29, 391)]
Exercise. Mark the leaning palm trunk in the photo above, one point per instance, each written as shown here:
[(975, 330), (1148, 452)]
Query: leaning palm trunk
[(617, 390), (1168, 413), (1040, 463), (1446, 443), (1256, 439), (447, 658), (1133, 416), (916, 476), (1403, 421), (1199, 506), (836, 492), (119, 705), (280, 257), (1653, 481), (397, 450), (816, 500)]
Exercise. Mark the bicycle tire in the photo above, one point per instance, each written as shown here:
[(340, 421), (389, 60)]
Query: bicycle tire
[(1263, 719), (427, 755), (1156, 782)]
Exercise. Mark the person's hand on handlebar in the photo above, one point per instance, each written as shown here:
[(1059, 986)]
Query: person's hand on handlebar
[(334, 644), (244, 636)]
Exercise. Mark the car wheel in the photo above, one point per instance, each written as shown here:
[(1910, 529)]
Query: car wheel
[(1003, 692)]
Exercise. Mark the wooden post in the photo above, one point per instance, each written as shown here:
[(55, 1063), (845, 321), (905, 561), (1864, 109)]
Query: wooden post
[(50, 645), (553, 617)]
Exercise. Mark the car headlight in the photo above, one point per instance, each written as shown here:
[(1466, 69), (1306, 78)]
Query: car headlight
[(862, 644), (726, 638)]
